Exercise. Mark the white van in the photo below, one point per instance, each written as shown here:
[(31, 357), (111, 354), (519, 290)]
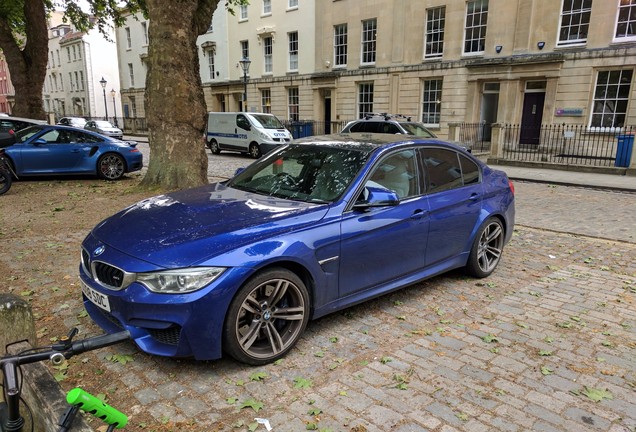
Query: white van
[(253, 133)]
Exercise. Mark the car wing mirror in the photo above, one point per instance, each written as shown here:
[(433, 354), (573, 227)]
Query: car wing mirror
[(376, 197), (40, 141), (238, 171)]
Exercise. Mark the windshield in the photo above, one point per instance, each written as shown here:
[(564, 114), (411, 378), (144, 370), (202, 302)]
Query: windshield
[(268, 121), (308, 173), (103, 124), (24, 134), (417, 130)]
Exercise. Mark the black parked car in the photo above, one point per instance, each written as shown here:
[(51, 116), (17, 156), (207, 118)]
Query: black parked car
[(10, 125)]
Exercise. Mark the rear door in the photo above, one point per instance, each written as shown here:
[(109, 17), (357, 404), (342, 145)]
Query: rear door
[(455, 195)]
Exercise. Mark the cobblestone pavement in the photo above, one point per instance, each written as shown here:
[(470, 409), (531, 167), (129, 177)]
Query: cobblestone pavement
[(547, 343)]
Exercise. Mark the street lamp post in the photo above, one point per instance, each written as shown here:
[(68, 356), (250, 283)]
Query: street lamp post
[(113, 93), (103, 83), (245, 65)]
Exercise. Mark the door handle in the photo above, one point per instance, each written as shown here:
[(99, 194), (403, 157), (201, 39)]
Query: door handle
[(474, 196), (418, 214)]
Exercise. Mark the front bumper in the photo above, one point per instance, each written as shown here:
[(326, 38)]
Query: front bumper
[(172, 325)]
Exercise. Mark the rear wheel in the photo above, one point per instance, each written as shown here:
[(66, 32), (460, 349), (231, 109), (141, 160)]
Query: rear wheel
[(266, 317), (5, 180), (487, 248), (255, 150), (214, 147), (111, 166)]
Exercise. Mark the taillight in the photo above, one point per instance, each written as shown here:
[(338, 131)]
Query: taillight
[(512, 186)]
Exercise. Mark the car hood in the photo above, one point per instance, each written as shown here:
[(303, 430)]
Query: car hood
[(189, 227)]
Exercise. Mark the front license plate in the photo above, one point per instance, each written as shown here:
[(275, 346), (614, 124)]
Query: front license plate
[(98, 299)]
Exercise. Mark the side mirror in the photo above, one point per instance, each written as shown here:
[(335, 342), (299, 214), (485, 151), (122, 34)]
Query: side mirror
[(238, 171), (40, 141), (376, 197)]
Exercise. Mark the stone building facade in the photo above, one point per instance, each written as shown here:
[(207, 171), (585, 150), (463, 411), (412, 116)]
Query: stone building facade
[(525, 62)]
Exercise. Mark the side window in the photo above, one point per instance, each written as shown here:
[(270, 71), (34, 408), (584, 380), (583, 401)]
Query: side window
[(389, 128), (357, 127), (470, 170), (397, 172), (51, 136), (242, 122), (372, 127), (5, 126), (80, 137), (443, 169)]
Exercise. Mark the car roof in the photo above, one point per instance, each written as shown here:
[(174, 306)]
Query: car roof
[(370, 141), (34, 121)]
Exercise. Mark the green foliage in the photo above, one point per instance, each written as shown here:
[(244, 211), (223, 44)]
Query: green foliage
[(252, 403), (302, 383), (596, 395)]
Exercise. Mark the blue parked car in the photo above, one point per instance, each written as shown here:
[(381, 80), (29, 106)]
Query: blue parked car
[(55, 150), (314, 227)]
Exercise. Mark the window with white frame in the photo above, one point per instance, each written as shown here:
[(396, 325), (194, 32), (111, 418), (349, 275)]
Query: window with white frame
[(365, 99), (77, 83), (79, 52), (243, 12), (435, 24), (144, 31), (133, 106), (340, 45), (211, 68), (476, 22), (266, 101), (70, 79), (432, 102), (611, 97), (68, 54), (81, 74), (131, 74), (369, 37), (626, 21), (575, 22), (293, 51), (292, 4), (293, 103), (268, 54), (245, 49), (267, 7), (74, 53), (128, 39)]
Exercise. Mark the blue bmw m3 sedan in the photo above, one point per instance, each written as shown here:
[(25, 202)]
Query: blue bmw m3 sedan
[(240, 267)]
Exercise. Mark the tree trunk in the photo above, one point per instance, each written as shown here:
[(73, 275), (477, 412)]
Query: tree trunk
[(27, 65), (175, 106)]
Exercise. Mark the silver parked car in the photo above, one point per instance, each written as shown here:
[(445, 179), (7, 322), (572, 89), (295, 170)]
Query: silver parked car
[(77, 122), (105, 128)]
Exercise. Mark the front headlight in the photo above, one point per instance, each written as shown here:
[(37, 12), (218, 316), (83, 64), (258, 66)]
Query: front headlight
[(179, 281)]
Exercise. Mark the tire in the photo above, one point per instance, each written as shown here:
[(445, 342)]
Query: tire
[(487, 249), (266, 317), (214, 147), (255, 150), (111, 166), (5, 180)]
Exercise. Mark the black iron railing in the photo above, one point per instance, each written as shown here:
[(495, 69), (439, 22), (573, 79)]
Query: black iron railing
[(476, 136), (568, 144)]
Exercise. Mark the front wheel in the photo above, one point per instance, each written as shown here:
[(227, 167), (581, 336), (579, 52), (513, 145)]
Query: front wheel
[(111, 166), (255, 150), (266, 317), (487, 248), (214, 147), (5, 180)]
